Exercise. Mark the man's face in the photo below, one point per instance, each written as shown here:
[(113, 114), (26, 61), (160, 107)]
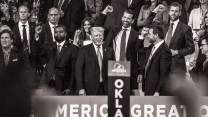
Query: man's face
[(174, 13), (59, 34), (97, 38), (23, 13), (127, 20), (151, 36), (53, 16), (204, 47), (6, 40), (203, 1)]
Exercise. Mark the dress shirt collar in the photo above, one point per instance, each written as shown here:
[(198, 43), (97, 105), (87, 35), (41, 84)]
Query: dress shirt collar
[(51, 25), (175, 22), (157, 45), (20, 24), (6, 51), (127, 29), (95, 46), (62, 43)]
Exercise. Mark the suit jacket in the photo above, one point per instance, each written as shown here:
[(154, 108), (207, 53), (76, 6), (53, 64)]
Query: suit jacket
[(46, 35), (15, 62), (61, 66), (74, 13), (131, 51), (182, 41), (88, 70), (157, 73), (200, 74), (33, 43)]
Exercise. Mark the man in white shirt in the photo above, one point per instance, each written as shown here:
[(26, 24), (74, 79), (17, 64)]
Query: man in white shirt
[(124, 42), (24, 40), (91, 66)]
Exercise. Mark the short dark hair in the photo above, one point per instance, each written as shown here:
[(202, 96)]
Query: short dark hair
[(129, 11), (62, 26), (9, 32), (158, 29), (206, 40), (176, 4)]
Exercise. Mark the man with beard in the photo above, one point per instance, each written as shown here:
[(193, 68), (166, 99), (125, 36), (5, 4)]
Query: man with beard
[(179, 38), (123, 40), (91, 66), (60, 58), (200, 71), (155, 71)]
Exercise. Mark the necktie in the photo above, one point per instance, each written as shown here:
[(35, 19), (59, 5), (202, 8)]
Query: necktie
[(100, 62), (24, 33), (25, 41), (6, 58), (123, 45), (148, 61), (58, 48), (169, 34)]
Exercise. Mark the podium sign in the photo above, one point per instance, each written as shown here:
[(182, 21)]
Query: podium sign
[(118, 89)]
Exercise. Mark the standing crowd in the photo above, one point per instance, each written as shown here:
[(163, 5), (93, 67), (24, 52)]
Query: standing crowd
[(62, 47)]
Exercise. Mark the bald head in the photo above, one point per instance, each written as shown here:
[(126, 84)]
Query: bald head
[(23, 13), (53, 15)]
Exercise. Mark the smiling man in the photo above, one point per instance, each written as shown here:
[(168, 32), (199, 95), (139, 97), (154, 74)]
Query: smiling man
[(124, 42), (91, 66)]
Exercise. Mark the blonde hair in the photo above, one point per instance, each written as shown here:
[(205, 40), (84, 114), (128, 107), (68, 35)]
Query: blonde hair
[(97, 29)]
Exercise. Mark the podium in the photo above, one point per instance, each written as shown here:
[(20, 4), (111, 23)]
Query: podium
[(118, 89)]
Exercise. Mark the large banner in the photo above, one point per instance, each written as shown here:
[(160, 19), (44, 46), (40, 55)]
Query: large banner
[(87, 106)]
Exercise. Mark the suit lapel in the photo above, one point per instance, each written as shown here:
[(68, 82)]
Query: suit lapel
[(48, 31), (11, 56), (147, 56), (166, 28), (2, 62), (177, 30), (18, 33), (157, 51), (104, 54), (63, 49), (53, 52), (129, 40), (92, 49)]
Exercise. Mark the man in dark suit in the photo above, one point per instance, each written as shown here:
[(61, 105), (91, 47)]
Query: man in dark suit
[(74, 13), (24, 40), (200, 71), (179, 38), (45, 33), (60, 62), (155, 71), (124, 42), (91, 66)]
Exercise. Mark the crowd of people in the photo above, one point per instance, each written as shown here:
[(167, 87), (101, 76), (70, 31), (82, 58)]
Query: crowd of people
[(63, 46)]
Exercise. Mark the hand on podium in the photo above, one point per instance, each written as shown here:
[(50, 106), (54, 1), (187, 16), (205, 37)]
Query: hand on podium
[(82, 92)]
